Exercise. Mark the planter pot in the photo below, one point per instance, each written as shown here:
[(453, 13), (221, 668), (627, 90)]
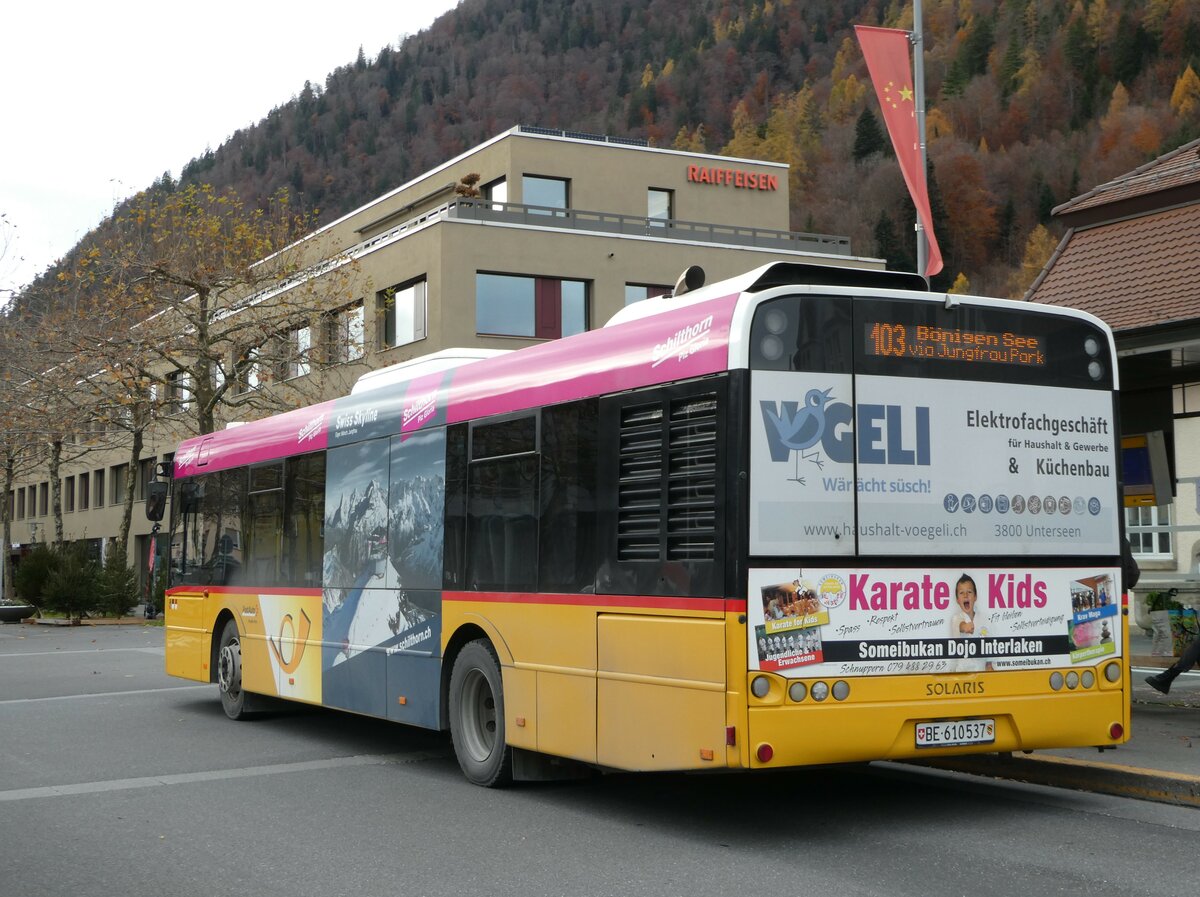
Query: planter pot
[(15, 613)]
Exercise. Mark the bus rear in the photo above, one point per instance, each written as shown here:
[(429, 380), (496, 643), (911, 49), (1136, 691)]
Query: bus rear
[(933, 528)]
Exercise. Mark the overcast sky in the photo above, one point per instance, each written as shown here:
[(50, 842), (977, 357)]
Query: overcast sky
[(102, 98)]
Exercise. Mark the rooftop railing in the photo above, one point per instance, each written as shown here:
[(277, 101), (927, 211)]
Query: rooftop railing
[(483, 210)]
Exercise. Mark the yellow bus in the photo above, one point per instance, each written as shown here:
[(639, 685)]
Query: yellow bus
[(807, 515)]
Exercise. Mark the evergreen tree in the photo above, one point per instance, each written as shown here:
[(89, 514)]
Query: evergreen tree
[(869, 137), (1045, 202), (1008, 231), (889, 247), (1014, 58)]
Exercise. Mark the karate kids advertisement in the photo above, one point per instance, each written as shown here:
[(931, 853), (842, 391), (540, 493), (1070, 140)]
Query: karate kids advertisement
[(841, 622)]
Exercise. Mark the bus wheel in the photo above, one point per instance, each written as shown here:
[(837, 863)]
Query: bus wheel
[(477, 716), (229, 672)]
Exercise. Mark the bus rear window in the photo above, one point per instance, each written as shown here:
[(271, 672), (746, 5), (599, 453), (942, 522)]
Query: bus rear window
[(907, 338), (923, 339)]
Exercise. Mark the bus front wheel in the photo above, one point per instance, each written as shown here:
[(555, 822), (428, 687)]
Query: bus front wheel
[(477, 716), (229, 673)]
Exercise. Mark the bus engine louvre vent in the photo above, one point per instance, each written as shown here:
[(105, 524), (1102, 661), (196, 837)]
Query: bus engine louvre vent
[(692, 479), (639, 485)]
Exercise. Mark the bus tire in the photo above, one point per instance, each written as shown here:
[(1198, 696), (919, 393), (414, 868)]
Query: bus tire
[(477, 716), (234, 700)]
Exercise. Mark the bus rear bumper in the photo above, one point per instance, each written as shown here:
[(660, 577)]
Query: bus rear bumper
[(851, 733)]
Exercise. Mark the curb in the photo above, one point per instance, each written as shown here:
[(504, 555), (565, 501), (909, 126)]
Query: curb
[(99, 621), (1064, 772)]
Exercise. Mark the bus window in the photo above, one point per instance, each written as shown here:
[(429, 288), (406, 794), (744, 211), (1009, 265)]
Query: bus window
[(502, 506), (206, 540), (264, 524), (303, 520), (453, 575), (568, 496)]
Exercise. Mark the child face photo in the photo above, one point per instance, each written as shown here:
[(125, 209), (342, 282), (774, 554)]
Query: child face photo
[(964, 594)]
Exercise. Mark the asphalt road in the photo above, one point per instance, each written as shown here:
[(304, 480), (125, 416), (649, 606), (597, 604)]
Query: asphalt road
[(115, 780)]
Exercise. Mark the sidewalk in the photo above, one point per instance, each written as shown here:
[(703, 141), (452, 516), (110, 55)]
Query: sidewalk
[(1161, 760)]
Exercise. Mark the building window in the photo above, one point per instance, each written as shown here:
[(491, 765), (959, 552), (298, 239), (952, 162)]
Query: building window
[(1150, 545), (98, 489), (43, 500), (120, 472), (636, 292), (400, 313), (660, 204), (20, 504), (344, 334), (536, 307), (85, 490), (295, 353), (179, 392), (145, 476), (249, 370), (496, 191), (68, 488), (549, 193)]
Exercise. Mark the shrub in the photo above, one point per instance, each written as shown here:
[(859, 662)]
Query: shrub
[(29, 579), (71, 588), (116, 585)]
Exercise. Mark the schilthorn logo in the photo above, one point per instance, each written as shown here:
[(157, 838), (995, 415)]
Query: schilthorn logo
[(684, 342), (311, 429), (419, 410), (886, 434)]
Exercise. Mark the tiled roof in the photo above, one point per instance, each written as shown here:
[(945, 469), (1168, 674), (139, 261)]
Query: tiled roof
[(1138, 272), (1174, 169)]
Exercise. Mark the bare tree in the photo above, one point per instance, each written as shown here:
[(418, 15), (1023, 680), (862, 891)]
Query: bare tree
[(206, 302)]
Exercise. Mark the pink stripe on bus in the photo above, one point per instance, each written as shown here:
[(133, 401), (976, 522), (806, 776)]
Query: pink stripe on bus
[(291, 433), (685, 342)]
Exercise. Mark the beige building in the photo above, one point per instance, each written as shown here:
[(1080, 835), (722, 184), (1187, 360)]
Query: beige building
[(566, 230)]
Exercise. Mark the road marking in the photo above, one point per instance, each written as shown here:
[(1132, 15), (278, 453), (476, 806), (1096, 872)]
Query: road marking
[(105, 694), (159, 651), (189, 778)]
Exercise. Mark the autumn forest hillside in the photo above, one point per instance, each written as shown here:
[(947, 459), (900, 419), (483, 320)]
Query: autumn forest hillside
[(1029, 103)]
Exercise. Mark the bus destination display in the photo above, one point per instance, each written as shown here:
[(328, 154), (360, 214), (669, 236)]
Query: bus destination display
[(924, 341)]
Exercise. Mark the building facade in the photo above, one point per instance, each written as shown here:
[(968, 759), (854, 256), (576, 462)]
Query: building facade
[(1128, 256), (533, 235)]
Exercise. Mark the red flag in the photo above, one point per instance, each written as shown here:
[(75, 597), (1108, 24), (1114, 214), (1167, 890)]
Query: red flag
[(886, 52)]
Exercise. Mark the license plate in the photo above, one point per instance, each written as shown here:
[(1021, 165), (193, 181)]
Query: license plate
[(953, 732)]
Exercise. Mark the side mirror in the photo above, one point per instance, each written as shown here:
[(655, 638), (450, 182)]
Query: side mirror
[(156, 500)]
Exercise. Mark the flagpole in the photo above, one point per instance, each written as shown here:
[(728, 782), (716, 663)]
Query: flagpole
[(919, 103)]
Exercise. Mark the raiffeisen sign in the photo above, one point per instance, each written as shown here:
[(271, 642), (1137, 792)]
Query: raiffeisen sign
[(732, 177)]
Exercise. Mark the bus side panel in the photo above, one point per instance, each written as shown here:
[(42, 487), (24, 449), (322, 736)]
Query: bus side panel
[(281, 653), (413, 689), (660, 692), (550, 680), (187, 638)]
